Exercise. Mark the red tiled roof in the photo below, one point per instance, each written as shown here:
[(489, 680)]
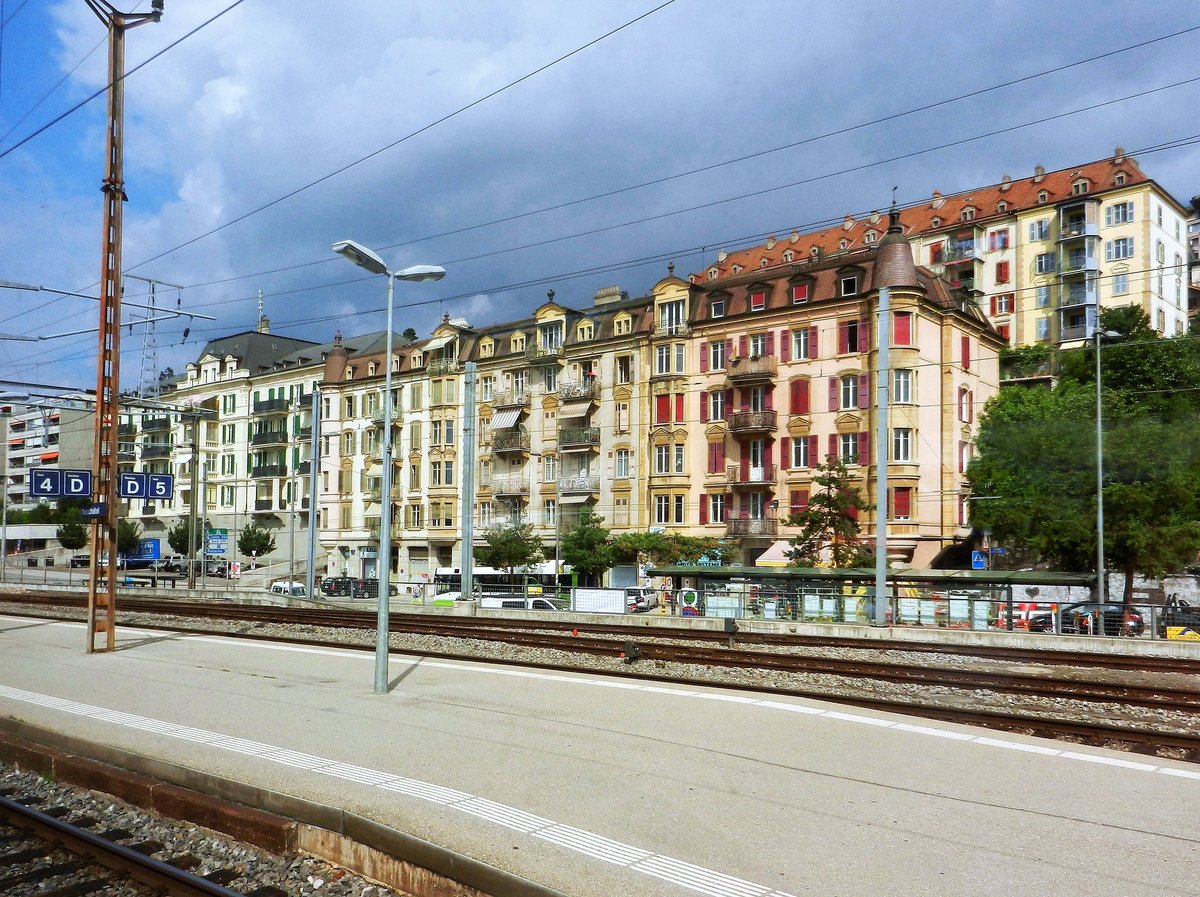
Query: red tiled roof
[(1018, 195)]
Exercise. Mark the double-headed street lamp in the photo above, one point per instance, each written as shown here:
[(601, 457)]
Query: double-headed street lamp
[(370, 261), (1099, 335)]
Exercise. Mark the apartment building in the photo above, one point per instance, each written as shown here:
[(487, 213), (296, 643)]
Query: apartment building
[(41, 435), (1041, 255)]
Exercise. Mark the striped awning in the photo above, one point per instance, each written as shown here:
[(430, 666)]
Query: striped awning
[(504, 420), (576, 408), (575, 499), (49, 456), (438, 342)]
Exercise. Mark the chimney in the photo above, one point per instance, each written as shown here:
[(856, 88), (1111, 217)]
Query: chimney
[(848, 222), (1039, 174), (264, 324), (1005, 183), (722, 255), (1119, 155), (938, 199), (771, 241), (795, 237), (606, 294)]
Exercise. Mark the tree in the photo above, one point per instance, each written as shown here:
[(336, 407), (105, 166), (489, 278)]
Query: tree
[(409, 335), (254, 541), (510, 547), (585, 546), (177, 538), (664, 549), (72, 535), (129, 536), (1035, 470), (829, 525)]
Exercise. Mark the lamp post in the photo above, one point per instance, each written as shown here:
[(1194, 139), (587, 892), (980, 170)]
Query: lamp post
[(370, 261), (1100, 335)]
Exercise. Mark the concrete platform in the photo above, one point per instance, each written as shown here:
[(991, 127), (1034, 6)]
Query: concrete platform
[(591, 786)]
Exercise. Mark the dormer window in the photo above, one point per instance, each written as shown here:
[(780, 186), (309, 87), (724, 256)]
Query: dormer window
[(843, 243), (814, 250), (716, 307), (935, 221), (967, 214), (418, 359), (870, 236), (758, 300), (623, 325), (737, 269), (788, 255), (1079, 187), (1042, 197), (586, 331), (848, 284), (800, 293), (518, 342), (763, 262), (371, 369), (712, 273), (487, 348), (1119, 179), (349, 372), (1001, 206)]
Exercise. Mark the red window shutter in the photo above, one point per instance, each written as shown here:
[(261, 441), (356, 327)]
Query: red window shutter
[(728, 350), (728, 401), (716, 457), (785, 345), (800, 502), (742, 346), (704, 508), (745, 394), (703, 357), (794, 397), (745, 468), (993, 306), (785, 452), (768, 455), (769, 399), (703, 407), (902, 502), (662, 409), (833, 393), (864, 390), (1001, 272), (678, 407), (970, 406), (961, 449), (966, 353), (793, 501), (864, 335), (770, 342), (813, 460), (803, 407), (1003, 331), (833, 445), (812, 341), (864, 447), (902, 328), (843, 337)]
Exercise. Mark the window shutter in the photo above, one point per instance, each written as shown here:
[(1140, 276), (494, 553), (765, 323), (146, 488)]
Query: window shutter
[(864, 335), (678, 407), (993, 306), (745, 467), (961, 446), (812, 451), (768, 455), (833, 393), (966, 353), (703, 407), (812, 341), (843, 338), (728, 400), (785, 452), (769, 399), (728, 350), (745, 394), (794, 396), (904, 322), (970, 406), (703, 508), (833, 445), (662, 409), (742, 351), (864, 390), (770, 342), (864, 448), (793, 501), (704, 355), (785, 345), (902, 502)]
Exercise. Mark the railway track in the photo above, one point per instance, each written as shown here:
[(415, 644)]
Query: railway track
[(43, 853), (689, 647)]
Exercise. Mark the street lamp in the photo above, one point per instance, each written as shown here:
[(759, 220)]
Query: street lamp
[(1100, 335), (370, 261)]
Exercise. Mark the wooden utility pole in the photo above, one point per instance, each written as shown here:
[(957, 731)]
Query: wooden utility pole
[(108, 357)]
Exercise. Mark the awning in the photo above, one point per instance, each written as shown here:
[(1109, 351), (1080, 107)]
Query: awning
[(575, 499), (504, 420), (437, 342), (49, 456), (776, 555), (577, 408)]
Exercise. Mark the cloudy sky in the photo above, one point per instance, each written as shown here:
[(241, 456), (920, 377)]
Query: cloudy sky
[(527, 145)]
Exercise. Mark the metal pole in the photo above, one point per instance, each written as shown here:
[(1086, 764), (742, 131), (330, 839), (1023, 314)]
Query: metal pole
[(557, 520), (292, 503), (882, 382), (192, 513), (4, 532), (1099, 482), (385, 518), (204, 527), (314, 475), (467, 554)]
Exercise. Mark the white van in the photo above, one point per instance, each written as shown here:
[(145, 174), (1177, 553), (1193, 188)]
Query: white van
[(292, 588), (510, 602)]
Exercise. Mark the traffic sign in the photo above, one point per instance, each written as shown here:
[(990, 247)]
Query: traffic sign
[(978, 561), (45, 483)]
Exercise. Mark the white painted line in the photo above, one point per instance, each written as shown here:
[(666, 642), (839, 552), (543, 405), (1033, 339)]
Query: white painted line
[(1182, 773), (859, 718), (1109, 761), (502, 814), (1017, 746), (593, 845), (697, 878), (721, 696), (793, 708), (934, 733), (426, 791), (355, 773)]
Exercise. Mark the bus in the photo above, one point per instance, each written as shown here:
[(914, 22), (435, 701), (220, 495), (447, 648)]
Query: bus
[(538, 579)]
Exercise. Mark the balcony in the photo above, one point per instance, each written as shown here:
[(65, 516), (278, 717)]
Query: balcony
[(126, 453), (264, 504), (544, 354), (508, 441), (746, 423), (510, 398), (125, 429), (755, 369), (1078, 263), (510, 486), (263, 471), (375, 493), (752, 527), (155, 451), (443, 366), (154, 425), (958, 252), (744, 475), (270, 406), (149, 509), (579, 483), (1073, 230), (304, 469), (579, 438), (573, 392), (1077, 294), (270, 437), (378, 413), (664, 329), (1077, 331)]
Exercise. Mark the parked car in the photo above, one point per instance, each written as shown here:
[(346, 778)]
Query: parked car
[(639, 599), (336, 586), (81, 560), (289, 587), (1087, 618), (369, 588), (1177, 613), (216, 568)]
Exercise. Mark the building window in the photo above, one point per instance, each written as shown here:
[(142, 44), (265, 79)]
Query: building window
[(1042, 197), (1043, 329), (758, 345), (624, 368), (1118, 213), (799, 293), (1042, 296), (716, 405), (1039, 230), (550, 378), (848, 392), (1118, 249), (800, 453), (662, 509), (587, 331), (1002, 272), (550, 512), (848, 285), (662, 458), (902, 503), (998, 239), (967, 214), (937, 253), (902, 328), (518, 342), (802, 343), (1044, 263), (902, 444), (1120, 284), (935, 221), (902, 392), (758, 300), (1002, 304), (623, 326), (662, 360), (717, 308), (622, 464), (716, 507), (1079, 187), (716, 355), (1119, 179), (848, 448)]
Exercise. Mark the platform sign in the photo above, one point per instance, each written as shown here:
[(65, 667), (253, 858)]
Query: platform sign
[(131, 485), (159, 486), (95, 512), (45, 483), (148, 486), (77, 484), (978, 561), (148, 550)]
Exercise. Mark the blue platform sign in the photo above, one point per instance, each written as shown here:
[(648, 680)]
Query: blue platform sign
[(77, 483), (149, 486), (159, 485), (94, 512), (131, 485), (978, 561), (45, 483)]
